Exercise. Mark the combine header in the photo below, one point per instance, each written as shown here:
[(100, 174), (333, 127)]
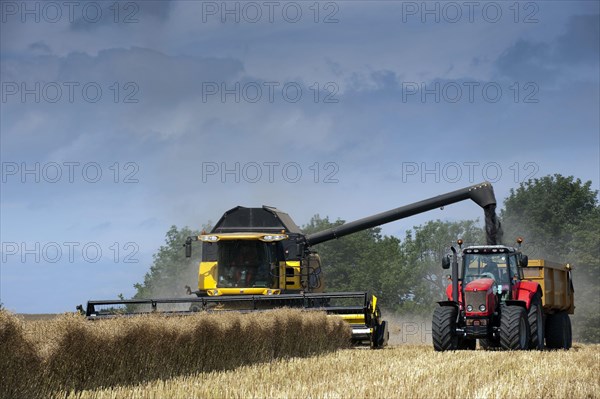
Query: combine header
[(257, 258)]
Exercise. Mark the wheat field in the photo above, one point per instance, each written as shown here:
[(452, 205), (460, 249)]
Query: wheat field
[(410, 371), (68, 353), (292, 371)]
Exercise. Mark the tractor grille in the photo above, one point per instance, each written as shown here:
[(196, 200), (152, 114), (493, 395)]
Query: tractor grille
[(476, 298)]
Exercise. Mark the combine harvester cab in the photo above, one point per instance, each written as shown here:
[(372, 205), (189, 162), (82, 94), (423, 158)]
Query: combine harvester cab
[(505, 300), (256, 259)]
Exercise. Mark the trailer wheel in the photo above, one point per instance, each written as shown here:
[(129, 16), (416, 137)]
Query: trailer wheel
[(443, 328), (570, 332), (558, 331), (536, 323), (514, 328)]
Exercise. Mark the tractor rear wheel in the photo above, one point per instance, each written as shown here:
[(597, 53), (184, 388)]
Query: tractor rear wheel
[(558, 331), (514, 328), (536, 323), (443, 328)]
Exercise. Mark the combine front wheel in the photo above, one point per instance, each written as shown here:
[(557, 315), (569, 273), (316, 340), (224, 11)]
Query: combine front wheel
[(381, 336)]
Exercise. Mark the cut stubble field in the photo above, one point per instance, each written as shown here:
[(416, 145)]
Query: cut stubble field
[(267, 355), (404, 371)]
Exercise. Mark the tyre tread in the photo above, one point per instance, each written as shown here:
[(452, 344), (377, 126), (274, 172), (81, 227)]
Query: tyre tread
[(443, 328), (509, 327)]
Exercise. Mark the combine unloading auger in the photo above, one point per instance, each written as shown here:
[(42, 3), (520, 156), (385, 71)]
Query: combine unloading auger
[(482, 194), (257, 259)]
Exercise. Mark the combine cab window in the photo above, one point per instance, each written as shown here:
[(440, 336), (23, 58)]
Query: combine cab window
[(244, 263)]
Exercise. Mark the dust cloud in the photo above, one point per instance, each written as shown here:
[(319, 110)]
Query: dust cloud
[(408, 329)]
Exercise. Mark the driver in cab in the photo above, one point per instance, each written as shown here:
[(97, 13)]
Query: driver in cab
[(492, 269), (244, 266)]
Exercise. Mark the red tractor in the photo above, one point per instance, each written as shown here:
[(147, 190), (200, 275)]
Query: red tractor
[(498, 299)]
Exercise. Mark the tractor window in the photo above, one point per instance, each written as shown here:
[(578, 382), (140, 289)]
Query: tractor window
[(478, 266), (514, 270), (244, 263)]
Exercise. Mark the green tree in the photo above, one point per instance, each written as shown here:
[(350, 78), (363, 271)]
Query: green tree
[(363, 261), (585, 246), (424, 253), (171, 271), (548, 212), (560, 219), (585, 252)]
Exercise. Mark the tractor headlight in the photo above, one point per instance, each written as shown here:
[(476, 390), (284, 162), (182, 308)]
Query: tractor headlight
[(469, 308), (482, 308)]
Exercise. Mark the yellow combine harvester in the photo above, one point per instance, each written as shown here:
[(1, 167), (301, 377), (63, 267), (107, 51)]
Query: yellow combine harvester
[(258, 258)]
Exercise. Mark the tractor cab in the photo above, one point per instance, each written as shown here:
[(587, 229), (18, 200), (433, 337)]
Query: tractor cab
[(498, 264)]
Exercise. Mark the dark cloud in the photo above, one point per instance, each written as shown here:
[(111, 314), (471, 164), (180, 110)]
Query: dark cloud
[(122, 13), (526, 61), (541, 61), (160, 77), (160, 9), (385, 79), (581, 43), (40, 47)]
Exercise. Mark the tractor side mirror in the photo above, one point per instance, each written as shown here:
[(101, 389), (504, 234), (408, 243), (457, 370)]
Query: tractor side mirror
[(524, 261), (446, 262)]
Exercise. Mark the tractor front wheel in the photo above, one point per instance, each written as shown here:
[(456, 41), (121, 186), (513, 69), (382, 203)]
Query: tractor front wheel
[(514, 328), (443, 328)]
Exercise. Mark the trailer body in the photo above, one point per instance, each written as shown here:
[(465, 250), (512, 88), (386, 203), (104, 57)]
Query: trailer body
[(556, 284)]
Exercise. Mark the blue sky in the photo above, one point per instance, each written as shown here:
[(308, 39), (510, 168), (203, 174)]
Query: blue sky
[(119, 120)]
